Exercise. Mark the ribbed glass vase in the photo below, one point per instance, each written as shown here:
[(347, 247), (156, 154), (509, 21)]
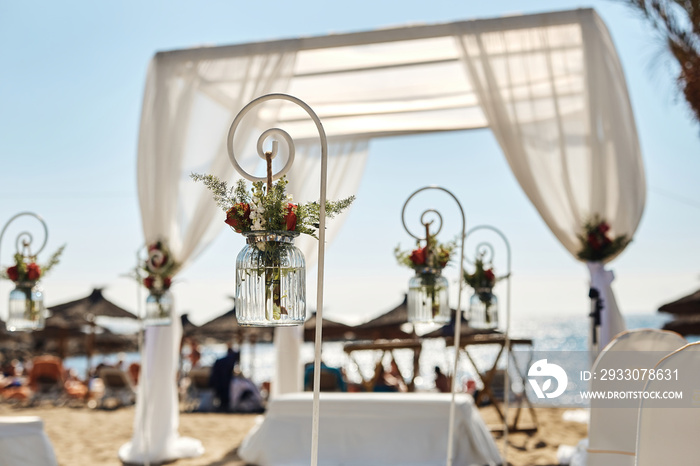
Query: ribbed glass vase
[(483, 309), (270, 280), (428, 299), (159, 308), (26, 310)]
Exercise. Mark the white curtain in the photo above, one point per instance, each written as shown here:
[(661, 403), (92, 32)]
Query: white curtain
[(556, 101), (184, 122), (346, 164)]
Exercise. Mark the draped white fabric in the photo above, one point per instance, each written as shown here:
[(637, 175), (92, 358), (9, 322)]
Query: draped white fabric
[(550, 86), (184, 123), (556, 100), (346, 163)]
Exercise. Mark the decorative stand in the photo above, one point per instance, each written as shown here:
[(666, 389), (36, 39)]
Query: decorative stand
[(26, 307), (272, 288), (458, 317), (428, 290), (486, 249)]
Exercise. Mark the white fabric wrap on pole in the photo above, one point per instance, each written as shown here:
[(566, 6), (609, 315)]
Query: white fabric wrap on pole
[(611, 321), (565, 125), (183, 129), (160, 440), (346, 164)]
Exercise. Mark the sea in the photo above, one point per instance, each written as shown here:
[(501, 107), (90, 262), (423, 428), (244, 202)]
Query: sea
[(550, 335)]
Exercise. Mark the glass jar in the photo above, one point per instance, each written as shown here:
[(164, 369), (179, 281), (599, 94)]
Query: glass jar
[(270, 280), (428, 299), (483, 309), (27, 310), (159, 308)]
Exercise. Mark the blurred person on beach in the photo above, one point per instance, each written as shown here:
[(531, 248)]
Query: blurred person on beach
[(245, 396), (442, 383), (334, 371), (221, 374), (384, 381)]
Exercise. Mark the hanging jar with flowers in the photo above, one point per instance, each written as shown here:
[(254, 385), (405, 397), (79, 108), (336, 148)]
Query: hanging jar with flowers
[(270, 270), (26, 307), (428, 290), (159, 268), (483, 304)]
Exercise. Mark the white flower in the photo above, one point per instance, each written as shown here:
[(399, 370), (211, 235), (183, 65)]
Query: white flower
[(258, 224), (289, 198)]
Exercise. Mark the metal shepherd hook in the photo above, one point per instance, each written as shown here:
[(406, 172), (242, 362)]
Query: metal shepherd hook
[(268, 156)]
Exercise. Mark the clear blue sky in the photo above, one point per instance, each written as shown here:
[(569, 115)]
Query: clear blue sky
[(71, 83)]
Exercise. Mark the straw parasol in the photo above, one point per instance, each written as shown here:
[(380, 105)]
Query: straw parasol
[(225, 328), (687, 305), (332, 330), (689, 325), (188, 328), (93, 305), (387, 325)]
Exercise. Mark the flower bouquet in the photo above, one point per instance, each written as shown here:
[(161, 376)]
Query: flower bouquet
[(483, 305), (270, 270), (26, 300), (596, 244), (159, 269), (428, 290)]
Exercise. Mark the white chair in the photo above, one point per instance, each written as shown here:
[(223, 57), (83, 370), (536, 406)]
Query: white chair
[(612, 431), (669, 430), (23, 442)]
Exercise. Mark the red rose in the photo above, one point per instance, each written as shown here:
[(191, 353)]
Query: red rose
[(593, 241), (12, 273), (238, 216), (33, 271), (418, 256), (291, 218), (148, 282), (166, 282), (488, 273), (603, 228)]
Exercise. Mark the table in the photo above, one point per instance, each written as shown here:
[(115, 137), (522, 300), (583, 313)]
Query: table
[(487, 377), (360, 429), (23, 442)]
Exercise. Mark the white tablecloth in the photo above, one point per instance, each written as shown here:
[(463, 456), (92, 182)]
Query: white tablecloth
[(23, 442), (370, 429)]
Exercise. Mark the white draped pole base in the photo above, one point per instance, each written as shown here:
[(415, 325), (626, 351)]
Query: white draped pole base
[(157, 418), (611, 321)]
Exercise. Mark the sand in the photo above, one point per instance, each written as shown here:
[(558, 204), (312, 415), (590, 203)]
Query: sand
[(82, 436)]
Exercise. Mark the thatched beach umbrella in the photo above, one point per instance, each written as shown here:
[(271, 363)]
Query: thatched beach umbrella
[(387, 326), (332, 330), (84, 311), (225, 328), (687, 305)]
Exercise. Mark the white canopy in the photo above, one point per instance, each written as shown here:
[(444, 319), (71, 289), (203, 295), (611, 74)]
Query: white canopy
[(549, 86)]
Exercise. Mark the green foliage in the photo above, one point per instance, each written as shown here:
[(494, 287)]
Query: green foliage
[(268, 210)]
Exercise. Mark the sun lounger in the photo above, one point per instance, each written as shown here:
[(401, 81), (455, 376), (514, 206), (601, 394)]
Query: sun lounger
[(200, 395), (118, 390)]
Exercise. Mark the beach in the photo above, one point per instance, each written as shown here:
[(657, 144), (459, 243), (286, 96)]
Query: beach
[(87, 436)]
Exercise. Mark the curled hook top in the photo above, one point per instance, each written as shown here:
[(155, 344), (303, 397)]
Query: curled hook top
[(487, 249), (423, 215), (272, 132), (24, 240)]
